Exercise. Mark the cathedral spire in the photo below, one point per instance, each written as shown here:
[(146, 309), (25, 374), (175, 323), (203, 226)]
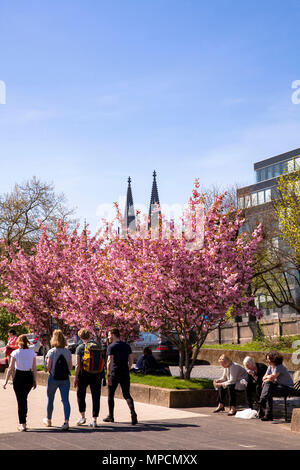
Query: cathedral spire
[(154, 213), (129, 216)]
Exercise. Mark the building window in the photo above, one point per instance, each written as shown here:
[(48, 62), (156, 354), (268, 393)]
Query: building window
[(277, 169), (258, 180), (290, 165), (254, 199), (269, 172), (261, 197), (247, 201), (268, 196)]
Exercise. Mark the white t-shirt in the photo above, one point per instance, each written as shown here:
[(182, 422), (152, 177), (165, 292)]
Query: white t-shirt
[(24, 358)]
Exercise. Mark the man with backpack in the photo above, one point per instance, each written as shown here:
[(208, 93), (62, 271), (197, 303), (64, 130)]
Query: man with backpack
[(119, 362), (90, 361)]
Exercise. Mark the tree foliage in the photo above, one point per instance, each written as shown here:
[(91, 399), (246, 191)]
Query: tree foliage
[(287, 209), (26, 207)]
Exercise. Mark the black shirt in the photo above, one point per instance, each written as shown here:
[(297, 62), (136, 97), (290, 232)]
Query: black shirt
[(120, 352), (261, 370), (150, 363)]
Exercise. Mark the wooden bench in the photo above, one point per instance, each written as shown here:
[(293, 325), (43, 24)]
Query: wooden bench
[(293, 392)]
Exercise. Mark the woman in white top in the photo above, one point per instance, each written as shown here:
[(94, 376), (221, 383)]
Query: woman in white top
[(233, 378), (23, 370)]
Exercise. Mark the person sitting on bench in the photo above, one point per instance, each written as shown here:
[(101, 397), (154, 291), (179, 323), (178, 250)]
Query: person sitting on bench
[(256, 372), (277, 381), (234, 378)]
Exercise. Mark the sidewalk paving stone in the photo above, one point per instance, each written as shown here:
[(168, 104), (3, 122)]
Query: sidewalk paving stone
[(159, 428)]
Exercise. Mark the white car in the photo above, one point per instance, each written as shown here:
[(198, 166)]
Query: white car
[(35, 344)]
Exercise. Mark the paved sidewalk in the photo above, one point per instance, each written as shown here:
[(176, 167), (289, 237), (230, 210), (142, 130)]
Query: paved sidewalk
[(37, 403), (159, 428)]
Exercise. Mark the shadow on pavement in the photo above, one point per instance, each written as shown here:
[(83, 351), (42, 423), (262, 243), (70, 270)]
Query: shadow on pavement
[(113, 428)]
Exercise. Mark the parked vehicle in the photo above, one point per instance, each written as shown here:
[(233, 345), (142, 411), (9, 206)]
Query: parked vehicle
[(162, 349), (3, 358), (74, 342), (36, 344)]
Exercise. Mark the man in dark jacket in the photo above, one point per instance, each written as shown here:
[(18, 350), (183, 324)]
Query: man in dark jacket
[(256, 372), (119, 362)]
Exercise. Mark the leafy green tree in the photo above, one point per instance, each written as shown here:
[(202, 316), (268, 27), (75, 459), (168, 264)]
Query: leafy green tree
[(6, 320)]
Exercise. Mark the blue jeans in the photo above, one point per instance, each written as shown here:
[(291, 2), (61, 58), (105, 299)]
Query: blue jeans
[(64, 388)]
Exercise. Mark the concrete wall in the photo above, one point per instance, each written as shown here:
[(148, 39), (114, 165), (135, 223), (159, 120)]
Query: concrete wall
[(160, 396)]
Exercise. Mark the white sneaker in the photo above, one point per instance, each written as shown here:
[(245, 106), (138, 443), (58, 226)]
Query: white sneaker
[(81, 421), (93, 424), (65, 427), (22, 427), (47, 422)]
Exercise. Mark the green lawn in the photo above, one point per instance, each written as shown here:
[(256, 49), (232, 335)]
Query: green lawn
[(171, 382), (282, 344)]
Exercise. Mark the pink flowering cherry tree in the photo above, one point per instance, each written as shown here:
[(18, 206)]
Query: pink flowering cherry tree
[(183, 284), (68, 281), (34, 282)]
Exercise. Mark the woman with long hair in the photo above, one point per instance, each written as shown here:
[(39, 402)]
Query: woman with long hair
[(23, 370), (58, 364)]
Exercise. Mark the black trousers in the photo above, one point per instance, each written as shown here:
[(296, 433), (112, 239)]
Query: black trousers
[(124, 381), (22, 383), (270, 390), (253, 389), (223, 394), (94, 382)]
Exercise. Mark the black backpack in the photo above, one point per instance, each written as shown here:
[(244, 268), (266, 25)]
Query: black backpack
[(61, 369)]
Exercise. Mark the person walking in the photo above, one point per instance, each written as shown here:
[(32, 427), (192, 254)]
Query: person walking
[(11, 343), (90, 361), (58, 364), (119, 362), (23, 370)]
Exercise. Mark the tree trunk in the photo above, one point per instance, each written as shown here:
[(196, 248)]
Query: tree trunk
[(181, 362)]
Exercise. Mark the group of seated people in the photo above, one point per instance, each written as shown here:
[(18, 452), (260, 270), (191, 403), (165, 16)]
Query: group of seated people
[(258, 380)]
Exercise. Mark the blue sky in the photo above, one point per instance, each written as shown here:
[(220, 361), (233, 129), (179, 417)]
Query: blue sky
[(100, 90)]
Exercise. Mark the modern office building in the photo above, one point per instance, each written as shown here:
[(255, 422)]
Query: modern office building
[(263, 191), (257, 202)]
